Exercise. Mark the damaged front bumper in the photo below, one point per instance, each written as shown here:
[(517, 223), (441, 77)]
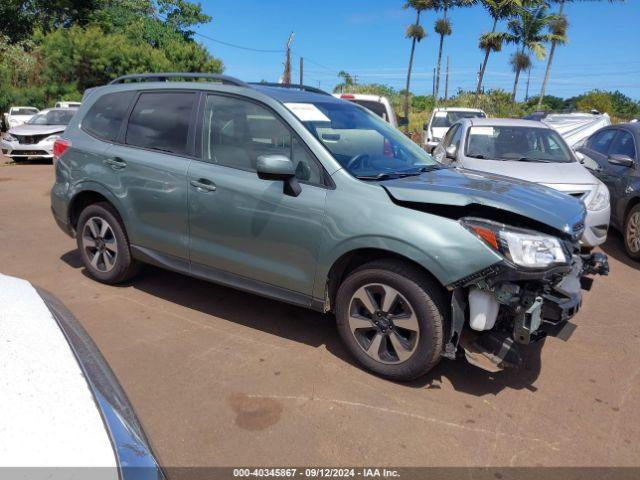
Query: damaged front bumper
[(506, 306)]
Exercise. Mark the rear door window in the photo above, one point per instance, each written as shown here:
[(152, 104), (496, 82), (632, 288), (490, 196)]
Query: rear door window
[(160, 121), (105, 117)]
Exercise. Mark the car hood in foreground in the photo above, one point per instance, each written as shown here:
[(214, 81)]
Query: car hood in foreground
[(546, 173), (37, 129), (462, 188)]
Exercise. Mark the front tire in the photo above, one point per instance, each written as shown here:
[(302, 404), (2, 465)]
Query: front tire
[(632, 233), (391, 316), (104, 245)]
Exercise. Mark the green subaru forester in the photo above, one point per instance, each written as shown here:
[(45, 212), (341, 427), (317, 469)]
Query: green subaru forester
[(290, 193)]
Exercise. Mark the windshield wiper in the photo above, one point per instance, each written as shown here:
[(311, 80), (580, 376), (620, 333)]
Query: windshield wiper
[(533, 160), (400, 173)]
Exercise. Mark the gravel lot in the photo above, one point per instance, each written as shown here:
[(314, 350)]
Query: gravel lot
[(223, 378)]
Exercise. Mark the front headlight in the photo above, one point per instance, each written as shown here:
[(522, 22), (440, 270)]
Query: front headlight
[(9, 138), (524, 248), (600, 200), (51, 138)]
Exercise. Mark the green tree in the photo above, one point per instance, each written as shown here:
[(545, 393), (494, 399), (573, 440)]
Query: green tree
[(416, 33), (596, 100), (493, 41)]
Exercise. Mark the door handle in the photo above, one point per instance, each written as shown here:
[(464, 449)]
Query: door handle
[(115, 163), (203, 185)]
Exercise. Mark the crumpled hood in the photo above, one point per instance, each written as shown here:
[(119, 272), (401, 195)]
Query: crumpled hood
[(37, 129), (460, 188), (546, 173)]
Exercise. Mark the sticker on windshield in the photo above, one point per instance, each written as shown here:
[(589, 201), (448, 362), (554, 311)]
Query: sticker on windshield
[(488, 131), (307, 112), (441, 114)]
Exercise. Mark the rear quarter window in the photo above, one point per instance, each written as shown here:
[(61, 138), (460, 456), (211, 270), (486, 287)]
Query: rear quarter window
[(105, 117)]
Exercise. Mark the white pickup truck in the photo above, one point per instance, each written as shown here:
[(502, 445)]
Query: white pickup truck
[(378, 104), (17, 116)]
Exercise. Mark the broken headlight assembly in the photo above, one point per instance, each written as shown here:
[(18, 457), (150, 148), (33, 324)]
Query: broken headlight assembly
[(524, 248)]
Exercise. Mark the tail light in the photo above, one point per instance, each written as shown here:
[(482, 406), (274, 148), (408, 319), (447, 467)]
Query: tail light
[(348, 96), (59, 147)]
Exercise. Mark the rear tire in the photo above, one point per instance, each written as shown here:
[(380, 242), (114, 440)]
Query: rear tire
[(391, 317), (632, 233), (104, 245)]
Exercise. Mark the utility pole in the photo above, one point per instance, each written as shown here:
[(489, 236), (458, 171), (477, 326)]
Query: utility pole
[(446, 85), (286, 76), (301, 71)]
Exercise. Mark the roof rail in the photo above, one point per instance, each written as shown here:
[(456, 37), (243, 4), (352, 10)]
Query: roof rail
[(297, 86), (163, 77)]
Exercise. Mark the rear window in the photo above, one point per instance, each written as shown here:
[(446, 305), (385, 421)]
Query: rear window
[(24, 111), (446, 119), (105, 117), (160, 121), (376, 107)]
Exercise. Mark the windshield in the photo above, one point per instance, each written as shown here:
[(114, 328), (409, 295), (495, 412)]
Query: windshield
[(52, 117), (363, 143), (446, 119), (528, 144)]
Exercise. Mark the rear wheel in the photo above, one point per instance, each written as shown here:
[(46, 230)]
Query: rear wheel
[(104, 246), (632, 233), (391, 316)]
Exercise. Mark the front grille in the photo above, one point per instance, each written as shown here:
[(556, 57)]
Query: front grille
[(579, 195), (28, 153), (30, 139)]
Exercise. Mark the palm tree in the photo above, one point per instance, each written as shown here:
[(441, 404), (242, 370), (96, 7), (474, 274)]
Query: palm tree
[(558, 28), (492, 41), (416, 33), (443, 29), (347, 82), (526, 32)]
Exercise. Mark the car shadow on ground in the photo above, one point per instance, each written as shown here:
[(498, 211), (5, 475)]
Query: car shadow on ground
[(614, 247), (311, 328)]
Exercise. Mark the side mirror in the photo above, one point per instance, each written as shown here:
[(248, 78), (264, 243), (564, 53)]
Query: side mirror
[(403, 122), (451, 152), (425, 127), (279, 167), (622, 160)]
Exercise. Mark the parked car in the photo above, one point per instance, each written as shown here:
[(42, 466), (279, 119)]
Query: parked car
[(36, 137), (65, 104), (612, 154), (17, 116), (529, 151), (305, 198), (378, 104), (440, 121), (63, 410)]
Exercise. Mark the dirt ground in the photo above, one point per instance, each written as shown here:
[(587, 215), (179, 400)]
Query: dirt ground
[(224, 378)]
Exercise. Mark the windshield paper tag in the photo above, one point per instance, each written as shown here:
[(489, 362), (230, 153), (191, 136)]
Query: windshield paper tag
[(488, 131), (441, 114), (307, 112)]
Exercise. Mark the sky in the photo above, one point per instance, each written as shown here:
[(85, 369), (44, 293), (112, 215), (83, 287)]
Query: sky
[(366, 38)]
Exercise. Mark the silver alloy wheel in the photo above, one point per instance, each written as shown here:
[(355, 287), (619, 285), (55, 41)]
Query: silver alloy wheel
[(383, 323), (99, 243), (633, 232)]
